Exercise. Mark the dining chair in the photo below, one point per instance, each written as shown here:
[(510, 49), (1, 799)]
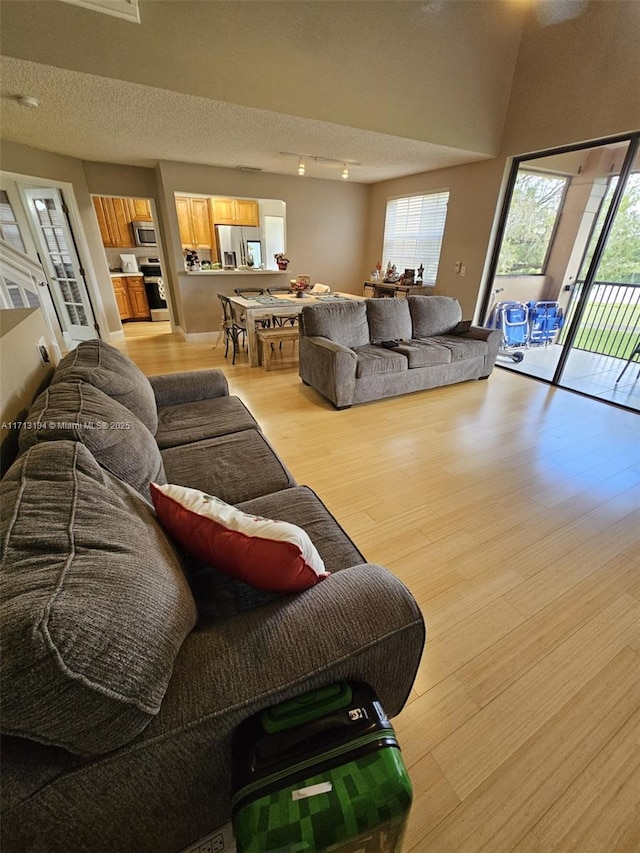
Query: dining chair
[(281, 321), (247, 293), (232, 328)]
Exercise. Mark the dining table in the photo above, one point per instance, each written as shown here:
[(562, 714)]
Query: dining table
[(255, 310)]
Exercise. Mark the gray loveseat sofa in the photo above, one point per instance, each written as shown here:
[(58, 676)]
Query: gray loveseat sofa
[(126, 666), (342, 357)]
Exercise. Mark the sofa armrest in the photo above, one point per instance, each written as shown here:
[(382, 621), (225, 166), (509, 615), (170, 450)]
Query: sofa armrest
[(328, 367), (361, 623), (477, 333), (171, 389), (493, 337)]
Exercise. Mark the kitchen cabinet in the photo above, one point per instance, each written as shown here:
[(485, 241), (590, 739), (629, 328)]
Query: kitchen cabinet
[(131, 297), (138, 297), (194, 222), (236, 211), (140, 210), (115, 222), (122, 298)]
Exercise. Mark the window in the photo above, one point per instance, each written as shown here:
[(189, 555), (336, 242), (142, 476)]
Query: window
[(533, 214), (413, 233), (13, 295), (9, 230)]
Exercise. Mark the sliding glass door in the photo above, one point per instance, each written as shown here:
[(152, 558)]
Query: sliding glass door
[(565, 285), (606, 305)]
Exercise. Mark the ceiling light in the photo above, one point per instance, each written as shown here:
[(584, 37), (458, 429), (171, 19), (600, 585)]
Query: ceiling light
[(303, 159), (27, 101)]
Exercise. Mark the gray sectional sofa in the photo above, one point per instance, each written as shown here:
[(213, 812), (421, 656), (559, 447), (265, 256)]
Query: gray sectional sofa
[(126, 665), (342, 357)]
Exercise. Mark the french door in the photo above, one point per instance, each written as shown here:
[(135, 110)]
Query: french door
[(56, 248)]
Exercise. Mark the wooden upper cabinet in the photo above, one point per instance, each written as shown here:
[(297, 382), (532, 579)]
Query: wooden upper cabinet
[(223, 211), (194, 222), (183, 210), (201, 222), (236, 211), (114, 221), (140, 210), (247, 212)]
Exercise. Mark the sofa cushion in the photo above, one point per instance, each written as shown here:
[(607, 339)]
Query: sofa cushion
[(188, 422), (272, 555), (461, 348), (373, 360), (342, 322), (389, 319), (425, 353), (434, 315), (118, 440), (94, 607), (108, 369), (234, 467)]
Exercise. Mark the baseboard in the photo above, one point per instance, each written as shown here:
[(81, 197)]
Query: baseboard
[(197, 337), (116, 336)]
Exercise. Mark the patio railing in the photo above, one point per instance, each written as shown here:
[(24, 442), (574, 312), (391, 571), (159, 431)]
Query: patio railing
[(611, 320)]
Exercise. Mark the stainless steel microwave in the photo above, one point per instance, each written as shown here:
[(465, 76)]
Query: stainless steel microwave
[(144, 233)]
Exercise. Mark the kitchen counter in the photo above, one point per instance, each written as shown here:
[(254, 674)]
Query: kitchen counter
[(233, 272), (123, 274)]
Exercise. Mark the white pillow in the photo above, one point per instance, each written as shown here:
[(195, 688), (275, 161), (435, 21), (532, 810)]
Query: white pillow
[(272, 555)]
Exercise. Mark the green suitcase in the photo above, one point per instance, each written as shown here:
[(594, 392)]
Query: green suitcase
[(321, 773)]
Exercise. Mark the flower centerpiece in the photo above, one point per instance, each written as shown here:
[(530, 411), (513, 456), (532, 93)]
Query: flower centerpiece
[(281, 260), (300, 284)]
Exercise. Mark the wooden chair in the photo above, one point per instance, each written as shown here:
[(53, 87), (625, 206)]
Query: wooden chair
[(281, 321), (232, 329), (248, 293)]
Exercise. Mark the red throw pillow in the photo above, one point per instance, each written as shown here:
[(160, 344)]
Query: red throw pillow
[(272, 555)]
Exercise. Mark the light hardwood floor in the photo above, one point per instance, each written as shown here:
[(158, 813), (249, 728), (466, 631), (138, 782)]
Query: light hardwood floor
[(512, 512)]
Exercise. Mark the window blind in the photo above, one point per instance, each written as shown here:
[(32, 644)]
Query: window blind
[(9, 229), (413, 232)]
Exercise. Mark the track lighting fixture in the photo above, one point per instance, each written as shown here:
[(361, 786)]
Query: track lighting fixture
[(303, 159)]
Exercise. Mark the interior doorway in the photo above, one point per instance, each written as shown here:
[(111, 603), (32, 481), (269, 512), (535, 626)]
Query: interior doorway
[(564, 286)]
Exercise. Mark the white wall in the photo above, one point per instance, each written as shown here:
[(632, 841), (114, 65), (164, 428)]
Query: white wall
[(21, 161), (576, 81), (23, 373)]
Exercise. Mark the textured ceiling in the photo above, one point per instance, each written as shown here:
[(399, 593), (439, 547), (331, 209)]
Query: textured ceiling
[(99, 119)]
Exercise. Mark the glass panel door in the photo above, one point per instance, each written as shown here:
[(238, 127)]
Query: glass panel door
[(554, 288), (61, 263), (607, 336)]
